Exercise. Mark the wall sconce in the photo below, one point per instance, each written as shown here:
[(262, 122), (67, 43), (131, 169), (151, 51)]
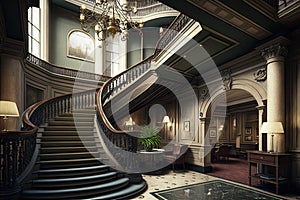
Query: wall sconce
[(8, 109), (272, 128)]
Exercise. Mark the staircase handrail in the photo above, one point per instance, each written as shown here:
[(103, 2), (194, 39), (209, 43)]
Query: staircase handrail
[(115, 84), (122, 80), (20, 146)]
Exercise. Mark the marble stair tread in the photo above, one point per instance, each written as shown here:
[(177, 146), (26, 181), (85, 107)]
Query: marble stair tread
[(67, 160), (74, 180), (68, 128), (71, 123), (67, 149), (67, 156), (66, 143), (125, 193), (76, 191), (66, 138), (67, 133), (72, 169)]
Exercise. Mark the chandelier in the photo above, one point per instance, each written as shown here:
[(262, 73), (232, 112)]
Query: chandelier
[(109, 17)]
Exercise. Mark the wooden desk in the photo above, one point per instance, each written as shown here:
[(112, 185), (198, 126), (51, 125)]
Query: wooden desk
[(278, 162)]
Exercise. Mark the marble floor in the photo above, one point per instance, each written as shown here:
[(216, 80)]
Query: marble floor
[(172, 179)]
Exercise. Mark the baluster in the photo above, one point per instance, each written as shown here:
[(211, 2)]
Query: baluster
[(14, 160), (5, 162)]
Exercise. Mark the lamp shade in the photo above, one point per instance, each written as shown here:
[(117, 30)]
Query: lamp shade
[(166, 119), (8, 109), (272, 127)]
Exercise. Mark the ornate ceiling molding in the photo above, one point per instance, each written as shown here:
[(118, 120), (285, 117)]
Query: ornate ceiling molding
[(263, 8), (232, 17)]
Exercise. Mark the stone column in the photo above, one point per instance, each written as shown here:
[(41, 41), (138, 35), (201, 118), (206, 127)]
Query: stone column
[(275, 56), (261, 110), (44, 28)]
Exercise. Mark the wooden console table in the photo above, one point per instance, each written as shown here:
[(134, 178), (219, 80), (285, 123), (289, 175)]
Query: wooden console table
[(274, 169)]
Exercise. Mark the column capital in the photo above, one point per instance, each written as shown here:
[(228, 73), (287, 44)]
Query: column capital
[(274, 51)]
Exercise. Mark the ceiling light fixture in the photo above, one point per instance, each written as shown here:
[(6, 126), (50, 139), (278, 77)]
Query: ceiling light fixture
[(109, 17)]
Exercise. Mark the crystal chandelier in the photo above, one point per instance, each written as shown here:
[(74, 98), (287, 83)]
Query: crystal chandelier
[(109, 17)]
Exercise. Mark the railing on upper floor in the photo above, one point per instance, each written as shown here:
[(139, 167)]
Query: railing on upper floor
[(64, 71), (122, 80), (127, 140)]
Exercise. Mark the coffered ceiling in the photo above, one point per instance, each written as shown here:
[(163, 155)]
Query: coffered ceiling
[(231, 28)]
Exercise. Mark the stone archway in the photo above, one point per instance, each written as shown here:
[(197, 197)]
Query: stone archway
[(255, 90)]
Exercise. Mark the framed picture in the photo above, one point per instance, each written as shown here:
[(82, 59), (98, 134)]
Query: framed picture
[(212, 133), (80, 45), (186, 126), (248, 138), (248, 131)]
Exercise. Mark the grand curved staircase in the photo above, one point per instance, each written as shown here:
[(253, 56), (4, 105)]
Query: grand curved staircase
[(69, 164), (69, 148)]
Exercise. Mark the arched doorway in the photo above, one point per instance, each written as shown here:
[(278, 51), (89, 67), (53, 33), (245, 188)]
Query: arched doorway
[(240, 131)]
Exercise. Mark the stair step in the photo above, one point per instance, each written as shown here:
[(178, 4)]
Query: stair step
[(76, 192), (69, 128), (67, 133), (74, 181), (69, 163), (80, 114), (126, 193), (67, 144), (71, 118), (54, 164), (67, 172), (67, 156), (67, 138), (71, 123), (71, 149)]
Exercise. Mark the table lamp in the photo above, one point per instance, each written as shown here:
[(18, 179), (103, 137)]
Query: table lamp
[(272, 128), (8, 109)]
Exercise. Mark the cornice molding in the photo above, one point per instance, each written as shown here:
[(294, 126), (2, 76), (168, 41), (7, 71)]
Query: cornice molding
[(263, 8)]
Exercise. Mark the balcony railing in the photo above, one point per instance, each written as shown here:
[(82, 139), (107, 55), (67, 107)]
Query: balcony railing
[(31, 59)]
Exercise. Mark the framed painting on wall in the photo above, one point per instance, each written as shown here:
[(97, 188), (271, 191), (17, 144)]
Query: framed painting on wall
[(248, 131), (248, 138), (80, 45), (212, 133), (186, 126)]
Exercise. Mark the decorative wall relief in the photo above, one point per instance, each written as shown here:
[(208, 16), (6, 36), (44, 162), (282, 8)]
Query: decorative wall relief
[(260, 74), (203, 93), (227, 79)]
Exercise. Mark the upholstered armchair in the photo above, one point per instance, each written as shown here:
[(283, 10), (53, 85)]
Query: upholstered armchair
[(222, 151), (177, 155)]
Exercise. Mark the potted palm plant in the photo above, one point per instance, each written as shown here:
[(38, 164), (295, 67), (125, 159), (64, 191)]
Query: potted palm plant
[(149, 138)]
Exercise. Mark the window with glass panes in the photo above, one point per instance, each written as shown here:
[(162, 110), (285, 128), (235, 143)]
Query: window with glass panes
[(34, 31), (112, 56)]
